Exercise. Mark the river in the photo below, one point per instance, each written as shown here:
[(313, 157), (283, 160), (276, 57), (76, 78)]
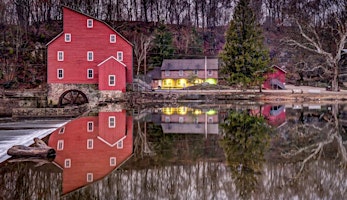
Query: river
[(228, 151)]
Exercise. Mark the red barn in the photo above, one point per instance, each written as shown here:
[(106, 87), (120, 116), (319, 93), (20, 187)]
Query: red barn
[(86, 53), (276, 79), (89, 148)]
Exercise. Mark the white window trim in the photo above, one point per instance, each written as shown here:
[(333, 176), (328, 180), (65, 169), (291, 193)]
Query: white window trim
[(120, 144), (67, 37), (180, 119), (110, 119), (92, 124), (113, 38), (90, 25), (67, 163), (62, 55), (88, 77), (60, 145), (109, 80), (113, 161), (167, 119), (90, 177), (92, 53), (210, 119), (167, 72), (120, 55), (90, 143), (62, 73), (62, 130), (180, 73)]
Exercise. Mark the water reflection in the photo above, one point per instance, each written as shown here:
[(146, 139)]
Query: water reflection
[(90, 147)]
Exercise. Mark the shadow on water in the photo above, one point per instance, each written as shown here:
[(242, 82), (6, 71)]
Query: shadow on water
[(191, 152)]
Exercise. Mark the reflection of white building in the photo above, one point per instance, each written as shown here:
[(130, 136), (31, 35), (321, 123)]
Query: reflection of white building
[(183, 120)]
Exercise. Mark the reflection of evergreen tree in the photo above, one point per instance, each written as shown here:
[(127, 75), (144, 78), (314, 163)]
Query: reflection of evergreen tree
[(244, 141)]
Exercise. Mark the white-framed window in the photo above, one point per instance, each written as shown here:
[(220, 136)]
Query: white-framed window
[(111, 80), (113, 161), (62, 130), (120, 55), (60, 145), (60, 56), (90, 56), (90, 177), (196, 72), (209, 72), (210, 119), (180, 119), (120, 145), (67, 37), (167, 119), (167, 72), (67, 163), (60, 73), (90, 73), (180, 73), (89, 23), (111, 121), (90, 126), (90, 144), (112, 38)]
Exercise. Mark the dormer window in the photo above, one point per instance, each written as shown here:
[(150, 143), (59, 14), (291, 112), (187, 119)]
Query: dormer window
[(120, 55), (112, 38), (90, 56), (89, 23), (67, 37)]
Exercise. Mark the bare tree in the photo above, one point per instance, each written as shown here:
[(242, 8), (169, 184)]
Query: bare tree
[(142, 44)]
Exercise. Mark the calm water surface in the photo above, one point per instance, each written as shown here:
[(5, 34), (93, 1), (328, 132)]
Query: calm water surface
[(190, 152)]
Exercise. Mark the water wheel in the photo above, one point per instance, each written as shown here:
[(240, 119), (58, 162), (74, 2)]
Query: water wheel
[(72, 97)]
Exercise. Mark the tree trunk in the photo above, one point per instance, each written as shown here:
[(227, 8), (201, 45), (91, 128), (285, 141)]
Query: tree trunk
[(40, 149)]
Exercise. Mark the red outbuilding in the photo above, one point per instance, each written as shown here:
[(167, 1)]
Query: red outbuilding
[(275, 79), (88, 51)]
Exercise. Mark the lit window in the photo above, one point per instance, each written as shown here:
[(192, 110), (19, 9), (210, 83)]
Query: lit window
[(60, 56), (180, 119), (113, 161), (60, 73), (90, 74), (90, 126), (90, 56), (111, 80), (90, 144), (67, 163), (120, 55), (180, 73), (167, 73), (120, 145), (67, 37), (89, 23), (60, 145), (89, 177), (112, 38), (111, 122), (62, 130)]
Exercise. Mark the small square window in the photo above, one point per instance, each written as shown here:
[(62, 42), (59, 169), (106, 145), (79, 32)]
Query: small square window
[(90, 126), (120, 145), (67, 37), (210, 72), (62, 130), (167, 73), (60, 56), (112, 38), (180, 73), (90, 56), (90, 74), (90, 177), (60, 73), (120, 55), (167, 119), (111, 122), (113, 161), (60, 145), (67, 163), (196, 72), (89, 23), (90, 144), (111, 80), (180, 119), (210, 119)]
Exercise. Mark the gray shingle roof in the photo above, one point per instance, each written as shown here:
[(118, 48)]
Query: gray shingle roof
[(189, 64)]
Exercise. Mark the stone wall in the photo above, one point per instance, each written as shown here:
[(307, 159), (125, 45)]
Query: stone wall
[(72, 111)]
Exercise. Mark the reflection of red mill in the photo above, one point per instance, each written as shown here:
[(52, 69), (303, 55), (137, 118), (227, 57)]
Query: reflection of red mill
[(88, 148)]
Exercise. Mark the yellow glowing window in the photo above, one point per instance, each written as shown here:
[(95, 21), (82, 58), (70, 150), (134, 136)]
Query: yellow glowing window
[(182, 110), (197, 112), (168, 111)]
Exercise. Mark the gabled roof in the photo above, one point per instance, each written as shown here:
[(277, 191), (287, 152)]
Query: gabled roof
[(111, 58), (189, 64), (93, 19), (280, 68), (155, 73)]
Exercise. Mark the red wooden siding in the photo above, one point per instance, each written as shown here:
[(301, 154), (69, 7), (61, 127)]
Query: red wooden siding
[(278, 74), (111, 66), (83, 39)]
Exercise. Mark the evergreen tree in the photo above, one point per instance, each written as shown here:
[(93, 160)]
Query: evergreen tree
[(244, 58), (162, 46)]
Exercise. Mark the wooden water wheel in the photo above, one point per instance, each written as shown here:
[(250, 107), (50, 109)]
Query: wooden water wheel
[(72, 97)]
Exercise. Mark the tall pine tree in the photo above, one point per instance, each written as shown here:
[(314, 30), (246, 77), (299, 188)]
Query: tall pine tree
[(244, 58)]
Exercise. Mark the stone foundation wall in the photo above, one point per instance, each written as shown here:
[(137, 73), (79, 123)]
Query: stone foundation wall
[(110, 95), (73, 111)]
